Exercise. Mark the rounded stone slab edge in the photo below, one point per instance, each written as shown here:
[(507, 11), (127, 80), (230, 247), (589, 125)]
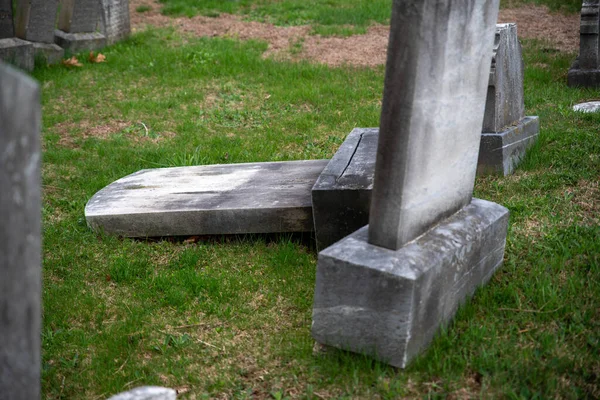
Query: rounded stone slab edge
[(147, 393), (588, 107)]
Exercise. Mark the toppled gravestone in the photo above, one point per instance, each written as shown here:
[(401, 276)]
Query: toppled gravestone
[(585, 71), (20, 232), (147, 393), (385, 289), (506, 133)]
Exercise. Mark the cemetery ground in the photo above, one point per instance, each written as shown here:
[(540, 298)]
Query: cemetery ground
[(230, 316)]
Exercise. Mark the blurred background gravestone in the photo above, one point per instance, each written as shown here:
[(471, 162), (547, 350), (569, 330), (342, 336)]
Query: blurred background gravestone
[(585, 71), (35, 22), (20, 231), (6, 19), (385, 289), (78, 24), (114, 21), (506, 133)]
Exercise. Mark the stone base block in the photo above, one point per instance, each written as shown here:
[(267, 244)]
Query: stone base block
[(578, 77), (78, 42), (389, 304), (500, 153), (341, 197), (49, 53), (17, 52)]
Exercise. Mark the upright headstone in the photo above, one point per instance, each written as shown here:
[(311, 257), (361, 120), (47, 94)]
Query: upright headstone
[(385, 289), (585, 71), (115, 20), (78, 24), (507, 133), (35, 22), (6, 19), (20, 230)]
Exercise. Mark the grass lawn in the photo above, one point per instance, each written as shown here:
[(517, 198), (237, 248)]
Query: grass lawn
[(230, 316)]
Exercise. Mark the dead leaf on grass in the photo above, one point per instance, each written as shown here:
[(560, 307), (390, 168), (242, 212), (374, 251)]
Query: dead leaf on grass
[(72, 62), (100, 58)]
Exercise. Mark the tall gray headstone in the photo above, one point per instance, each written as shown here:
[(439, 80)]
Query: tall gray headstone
[(36, 20), (585, 71), (385, 289), (7, 29), (115, 20), (20, 230), (79, 16), (437, 67), (507, 133)]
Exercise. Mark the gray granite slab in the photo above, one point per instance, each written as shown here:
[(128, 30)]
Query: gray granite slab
[(115, 20), (500, 153), (210, 199), (437, 75), (49, 53), (587, 107), (20, 236), (389, 304), (79, 16), (17, 52), (36, 20), (7, 28), (78, 42)]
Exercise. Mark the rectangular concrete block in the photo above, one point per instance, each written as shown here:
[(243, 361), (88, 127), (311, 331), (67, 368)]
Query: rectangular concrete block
[(17, 52), (389, 304), (500, 153), (341, 197), (504, 101), (20, 236), (78, 42), (79, 16), (36, 20), (115, 21)]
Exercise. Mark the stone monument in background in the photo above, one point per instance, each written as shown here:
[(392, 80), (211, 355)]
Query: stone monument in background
[(386, 289), (585, 71), (20, 231)]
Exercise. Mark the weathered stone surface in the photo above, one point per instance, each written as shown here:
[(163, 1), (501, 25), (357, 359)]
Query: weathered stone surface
[(36, 20), (79, 16), (206, 200), (17, 52), (7, 29), (341, 197), (49, 53), (437, 69), (20, 231), (505, 103), (585, 71), (588, 107), (115, 20), (500, 153), (389, 304), (78, 42), (147, 393)]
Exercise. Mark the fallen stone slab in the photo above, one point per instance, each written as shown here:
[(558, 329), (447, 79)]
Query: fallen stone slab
[(208, 200), (147, 393), (389, 304), (588, 107)]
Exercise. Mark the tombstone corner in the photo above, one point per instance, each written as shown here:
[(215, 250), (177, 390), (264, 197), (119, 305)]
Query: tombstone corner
[(585, 70)]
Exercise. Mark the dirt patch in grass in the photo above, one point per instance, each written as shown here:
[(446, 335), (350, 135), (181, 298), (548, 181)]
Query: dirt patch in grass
[(71, 132), (295, 42)]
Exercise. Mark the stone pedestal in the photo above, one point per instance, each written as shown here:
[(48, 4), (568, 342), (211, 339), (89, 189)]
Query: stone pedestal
[(341, 197), (17, 52), (78, 42), (389, 304)]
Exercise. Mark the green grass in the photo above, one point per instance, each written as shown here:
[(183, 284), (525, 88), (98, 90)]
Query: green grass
[(230, 316), (328, 17)]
